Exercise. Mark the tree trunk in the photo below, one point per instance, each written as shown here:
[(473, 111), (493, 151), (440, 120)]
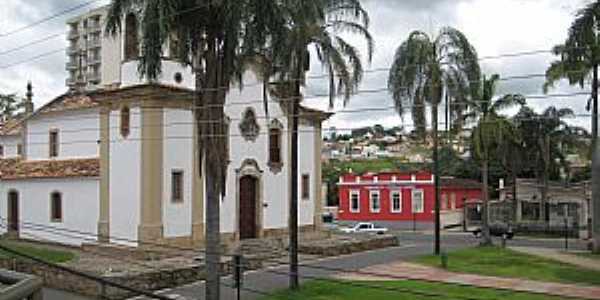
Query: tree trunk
[(544, 179), (515, 200), (436, 179), (485, 215), (213, 118), (595, 165)]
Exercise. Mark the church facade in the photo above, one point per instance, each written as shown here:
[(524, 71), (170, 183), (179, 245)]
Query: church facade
[(118, 163)]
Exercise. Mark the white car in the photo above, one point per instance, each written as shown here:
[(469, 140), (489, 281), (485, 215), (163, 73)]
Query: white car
[(365, 227)]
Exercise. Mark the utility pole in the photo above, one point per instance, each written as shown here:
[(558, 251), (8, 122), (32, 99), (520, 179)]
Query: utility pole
[(436, 177), (436, 94), (595, 165), (293, 218)]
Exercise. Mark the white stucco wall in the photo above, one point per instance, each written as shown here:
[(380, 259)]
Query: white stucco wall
[(79, 202), (306, 160), (130, 75), (125, 168), (78, 134), (9, 143), (274, 185), (178, 156)]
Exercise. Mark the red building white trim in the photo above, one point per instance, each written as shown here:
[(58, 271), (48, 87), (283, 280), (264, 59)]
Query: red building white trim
[(397, 196)]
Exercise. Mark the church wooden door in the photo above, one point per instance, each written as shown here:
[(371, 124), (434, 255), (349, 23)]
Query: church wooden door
[(248, 195)]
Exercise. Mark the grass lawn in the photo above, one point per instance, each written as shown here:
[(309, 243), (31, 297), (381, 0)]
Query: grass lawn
[(590, 255), (329, 290), (495, 261), (41, 252)]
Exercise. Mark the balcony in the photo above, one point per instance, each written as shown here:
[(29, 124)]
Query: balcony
[(94, 76), (72, 50), (94, 60), (73, 34), (95, 43), (72, 65), (94, 27)]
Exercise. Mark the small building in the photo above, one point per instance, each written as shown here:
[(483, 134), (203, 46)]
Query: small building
[(403, 197), (570, 202)]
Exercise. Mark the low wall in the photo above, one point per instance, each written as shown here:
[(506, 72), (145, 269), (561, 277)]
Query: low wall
[(59, 279), (335, 247)]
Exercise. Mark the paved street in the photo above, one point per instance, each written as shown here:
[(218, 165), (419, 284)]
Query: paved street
[(412, 245)]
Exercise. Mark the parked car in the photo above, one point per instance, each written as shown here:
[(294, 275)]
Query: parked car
[(327, 217), (365, 227), (505, 232)]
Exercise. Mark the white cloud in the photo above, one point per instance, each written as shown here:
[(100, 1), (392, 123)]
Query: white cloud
[(494, 27)]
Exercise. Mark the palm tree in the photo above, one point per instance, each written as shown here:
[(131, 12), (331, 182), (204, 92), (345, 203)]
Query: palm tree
[(492, 133), (316, 24), (9, 106), (580, 56), (545, 137), (216, 39), (422, 67)]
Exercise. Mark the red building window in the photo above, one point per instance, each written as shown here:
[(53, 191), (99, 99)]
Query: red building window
[(375, 201), (396, 201), (417, 201), (354, 201)]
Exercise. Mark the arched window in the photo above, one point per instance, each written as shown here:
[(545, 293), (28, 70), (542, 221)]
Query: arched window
[(132, 50), (125, 121), (56, 214), (174, 46)]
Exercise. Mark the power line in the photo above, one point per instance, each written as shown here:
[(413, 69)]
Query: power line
[(191, 137), (49, 18), (35, 42), (31, 59)]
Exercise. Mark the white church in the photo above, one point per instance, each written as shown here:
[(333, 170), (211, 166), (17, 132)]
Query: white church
[(119, 159)]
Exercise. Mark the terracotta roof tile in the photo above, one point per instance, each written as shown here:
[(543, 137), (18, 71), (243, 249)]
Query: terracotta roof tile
[(11, 127), (68, 101), (13, 169)]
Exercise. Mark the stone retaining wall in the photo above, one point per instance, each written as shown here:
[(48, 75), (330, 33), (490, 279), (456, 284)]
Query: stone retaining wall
[(359, 243), (59, 279)]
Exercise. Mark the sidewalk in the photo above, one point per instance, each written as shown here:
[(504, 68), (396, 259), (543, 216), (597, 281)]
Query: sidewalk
[(562, 256), (417, 272)]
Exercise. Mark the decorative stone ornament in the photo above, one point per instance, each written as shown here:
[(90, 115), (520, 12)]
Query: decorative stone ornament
[(249, 127)]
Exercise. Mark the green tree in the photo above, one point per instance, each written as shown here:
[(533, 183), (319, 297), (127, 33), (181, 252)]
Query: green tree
[(9, 106), (421, 69), (491, 135), (579, 60), (218, 40), (318, 25), (546, 138)]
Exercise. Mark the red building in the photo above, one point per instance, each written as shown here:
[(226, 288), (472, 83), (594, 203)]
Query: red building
[(395, 196)]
